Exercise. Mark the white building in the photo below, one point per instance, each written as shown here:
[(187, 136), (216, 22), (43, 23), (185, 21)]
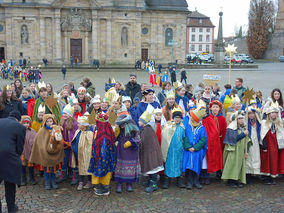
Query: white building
[(200, 34)]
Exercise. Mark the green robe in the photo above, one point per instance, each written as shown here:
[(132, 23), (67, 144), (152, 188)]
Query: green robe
[(48, 110), (234, 161)]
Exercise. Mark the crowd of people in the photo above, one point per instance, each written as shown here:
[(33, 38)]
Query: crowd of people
[(130, 132)]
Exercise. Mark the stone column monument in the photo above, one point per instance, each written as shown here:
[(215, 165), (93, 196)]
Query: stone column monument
[(219, 46)]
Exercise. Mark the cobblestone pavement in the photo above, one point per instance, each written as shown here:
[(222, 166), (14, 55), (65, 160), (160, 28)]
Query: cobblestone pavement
[(216, 197)]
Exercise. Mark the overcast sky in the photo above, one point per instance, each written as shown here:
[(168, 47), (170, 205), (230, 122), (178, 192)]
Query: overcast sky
[(235, 13)]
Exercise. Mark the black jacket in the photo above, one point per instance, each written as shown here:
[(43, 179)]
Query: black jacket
[(11, 106), (11, 147), (132, 89)]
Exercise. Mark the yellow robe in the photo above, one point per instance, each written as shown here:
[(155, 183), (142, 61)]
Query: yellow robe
[(36, 126)]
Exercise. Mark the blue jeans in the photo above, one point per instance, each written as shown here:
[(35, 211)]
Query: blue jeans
[(67, 156)]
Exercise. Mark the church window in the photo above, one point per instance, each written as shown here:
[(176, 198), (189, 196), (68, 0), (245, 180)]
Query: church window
[(168, 36)]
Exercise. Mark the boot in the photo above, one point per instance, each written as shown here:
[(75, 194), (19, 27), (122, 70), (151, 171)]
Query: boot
[(23, 176), (189, 181), (47, 180), (166, 182), (153, 184), (32, 176), (53, 182), (129, 187), (62, 177), (104, 190), (180, 183), (74, 178), (196, 181), (119, 188)]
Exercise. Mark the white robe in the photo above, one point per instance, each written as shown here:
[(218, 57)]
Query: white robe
[(253, 160)]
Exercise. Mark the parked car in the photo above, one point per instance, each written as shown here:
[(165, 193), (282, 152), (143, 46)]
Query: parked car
[(236, 60), (281, 58), (247, 59)]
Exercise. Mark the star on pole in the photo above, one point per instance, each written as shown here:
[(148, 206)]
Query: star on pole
[(248, 95), (231, 49)]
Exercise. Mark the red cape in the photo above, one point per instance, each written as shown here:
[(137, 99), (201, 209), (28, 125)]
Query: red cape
[(31, 106), (214, 155), (223, 129)]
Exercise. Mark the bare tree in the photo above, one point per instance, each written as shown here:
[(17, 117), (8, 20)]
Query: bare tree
[(261, 24)]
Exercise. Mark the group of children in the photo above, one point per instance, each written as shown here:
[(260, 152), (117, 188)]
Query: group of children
[(113, 138)]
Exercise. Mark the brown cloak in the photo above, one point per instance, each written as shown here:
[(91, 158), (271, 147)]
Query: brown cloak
[(39, 153)]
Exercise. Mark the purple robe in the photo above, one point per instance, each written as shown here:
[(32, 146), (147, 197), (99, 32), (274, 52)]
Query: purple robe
[(29, 141), (128, 167)]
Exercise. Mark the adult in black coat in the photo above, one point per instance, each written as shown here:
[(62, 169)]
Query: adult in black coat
[(9, 102), (131, 88), (11, 147), (63, 70)]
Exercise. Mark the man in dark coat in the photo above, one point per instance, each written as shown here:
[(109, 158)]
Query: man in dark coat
[(131, 88), (11, 147), (63, 70)]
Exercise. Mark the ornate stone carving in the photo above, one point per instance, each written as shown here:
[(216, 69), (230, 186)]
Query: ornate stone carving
[(76, 21), (124, 37)]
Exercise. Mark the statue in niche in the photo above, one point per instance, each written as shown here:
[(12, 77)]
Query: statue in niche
[(124, 37), (24, 34)]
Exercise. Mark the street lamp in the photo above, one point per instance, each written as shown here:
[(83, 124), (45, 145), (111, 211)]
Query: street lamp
[(230, 51)]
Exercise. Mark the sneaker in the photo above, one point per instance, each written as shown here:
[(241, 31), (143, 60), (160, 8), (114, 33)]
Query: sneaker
[(88, 185), (103, 191), (80, 186), (152, 187)]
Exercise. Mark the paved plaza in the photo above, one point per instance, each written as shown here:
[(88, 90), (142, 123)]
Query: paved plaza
[(216, 197)]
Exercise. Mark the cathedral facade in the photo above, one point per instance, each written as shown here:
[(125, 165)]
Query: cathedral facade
[(113, 31)]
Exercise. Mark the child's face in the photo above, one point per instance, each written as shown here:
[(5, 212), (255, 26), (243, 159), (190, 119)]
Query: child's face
[(43, 94), (251, 115), (49, 122), (273, 115), (171, 101), (237, 106), (158, 116), (116, 105), (25, 94), (96, 106), (215, 109), (27, 125), (81, 96), (40, 115), (177, 119), (241, 121), (77, 108), (104, 105), (141, 123), (127, 104), (65, 116)]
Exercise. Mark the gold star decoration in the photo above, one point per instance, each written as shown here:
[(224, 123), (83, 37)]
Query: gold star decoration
[(231, 49), (50, 101), (248, 95)]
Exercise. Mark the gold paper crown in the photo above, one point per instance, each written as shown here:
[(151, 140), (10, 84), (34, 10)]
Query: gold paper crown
[(235, 99), (83, 120), (7, 87), (176, 109), (177, 85), (200, 103), (198, 113), (82, 90), (111, 81), (41, 85), (41, 108), (69, 109), (274, 104), (170, 94), (112, 95), (145, 117)]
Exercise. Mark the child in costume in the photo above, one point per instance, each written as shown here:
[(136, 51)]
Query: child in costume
[(104, 105), (173, 139), (181, 99), (195, 148), (37, 121), (70, 126), (47, 154), (82, 150), (94, 108), (235, 152), (272, 149), (254, 127), (29, 140), (151, 159), (28, 102), (127, 169), (158, 122), (165, 77), (170, 104), (103, 160), (126, 100), (83, 99), (213, 161)]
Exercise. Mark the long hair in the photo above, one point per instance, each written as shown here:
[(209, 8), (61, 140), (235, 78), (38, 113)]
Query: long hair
[(168, 110), (3, 99), (165, 84), (51, 92), (19, 89), (69, 123), (269, 121), (280, 101)]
